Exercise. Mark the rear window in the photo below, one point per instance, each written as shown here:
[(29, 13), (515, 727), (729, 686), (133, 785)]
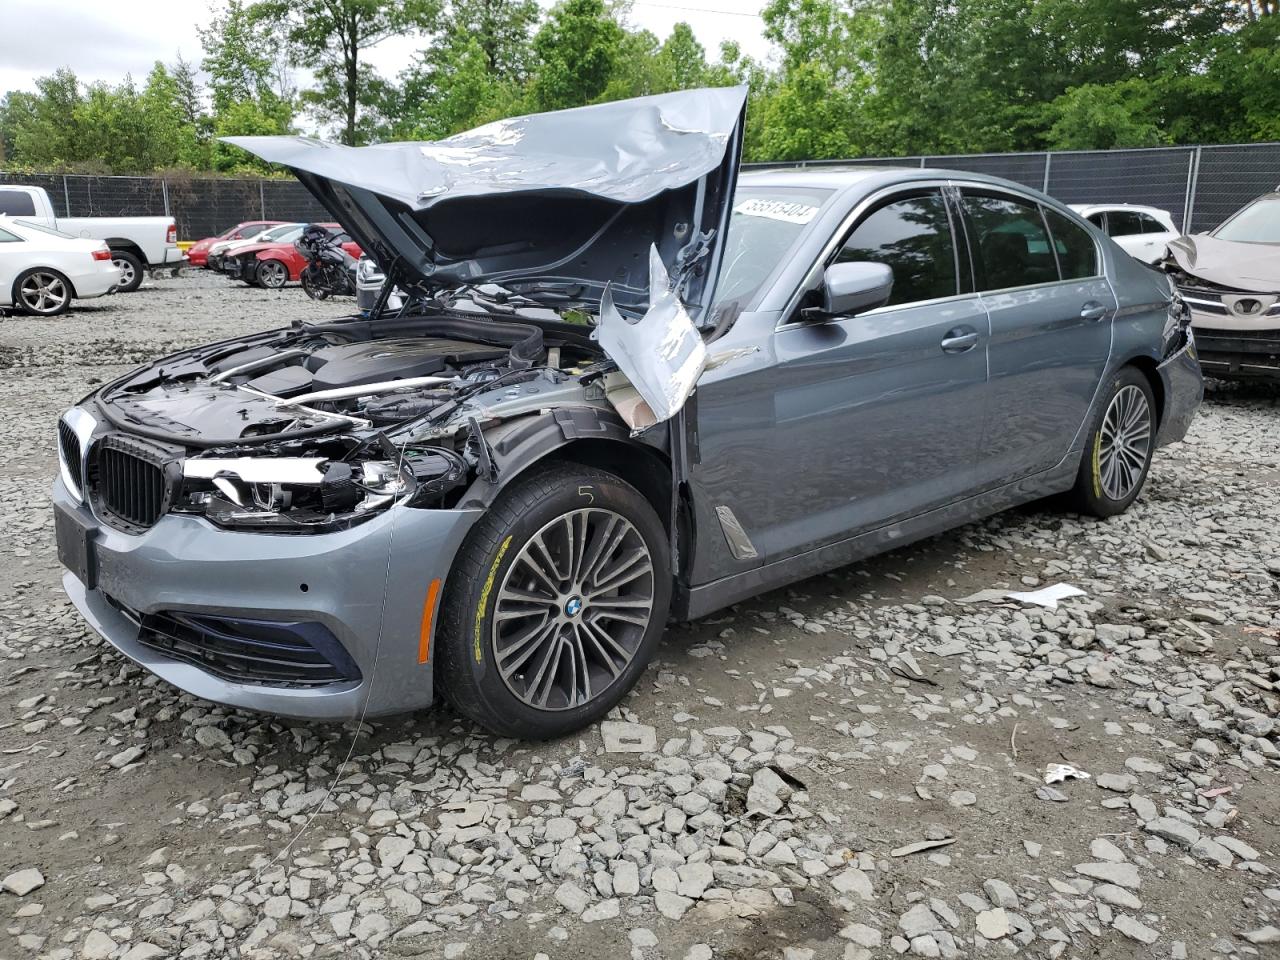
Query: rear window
[(1259, 222), (764, 225), (17, 203), (1012, 245), (1077, 253)]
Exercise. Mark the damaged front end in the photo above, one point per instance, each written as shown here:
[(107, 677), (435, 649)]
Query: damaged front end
[(1232, 290)]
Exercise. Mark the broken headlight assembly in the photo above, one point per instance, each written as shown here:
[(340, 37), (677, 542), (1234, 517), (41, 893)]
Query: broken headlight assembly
[(313, 494)]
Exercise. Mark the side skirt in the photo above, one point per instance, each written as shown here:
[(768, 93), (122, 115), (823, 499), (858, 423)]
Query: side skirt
[(689, 603)]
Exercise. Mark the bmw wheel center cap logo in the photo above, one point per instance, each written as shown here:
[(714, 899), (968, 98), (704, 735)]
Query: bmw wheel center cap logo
[(573, 606)]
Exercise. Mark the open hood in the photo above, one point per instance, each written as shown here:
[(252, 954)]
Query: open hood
[(1241, 266), (553, 206)]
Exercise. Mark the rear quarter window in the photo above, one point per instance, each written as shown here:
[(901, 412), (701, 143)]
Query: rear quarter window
[(1077, 253), (17, 203)]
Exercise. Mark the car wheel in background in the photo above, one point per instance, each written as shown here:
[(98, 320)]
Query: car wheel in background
[(42, 292), (554, 605), (1117, 453), (130, 270), (272, 274)]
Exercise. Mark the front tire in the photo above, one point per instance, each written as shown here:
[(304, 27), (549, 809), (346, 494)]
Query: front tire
[(1118, 449), (42, 292), (130, 270), (314, 284), (555, 604)]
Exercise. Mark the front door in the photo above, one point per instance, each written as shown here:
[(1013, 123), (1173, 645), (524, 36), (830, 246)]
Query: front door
[(875, 416), (1040, 277)]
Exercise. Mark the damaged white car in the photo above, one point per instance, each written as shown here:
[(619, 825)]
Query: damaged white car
[(500, 486)]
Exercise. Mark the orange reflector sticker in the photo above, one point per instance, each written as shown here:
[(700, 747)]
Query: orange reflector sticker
[(428, 611)]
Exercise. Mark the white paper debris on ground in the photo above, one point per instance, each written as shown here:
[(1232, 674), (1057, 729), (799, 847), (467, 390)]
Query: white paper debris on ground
[(1047, 596), (1058, 772)]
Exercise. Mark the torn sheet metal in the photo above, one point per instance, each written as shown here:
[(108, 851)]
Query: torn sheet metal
[(662, 353)]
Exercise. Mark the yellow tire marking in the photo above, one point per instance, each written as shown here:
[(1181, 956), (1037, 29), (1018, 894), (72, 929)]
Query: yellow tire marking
[(1097, 469), (484, 599)]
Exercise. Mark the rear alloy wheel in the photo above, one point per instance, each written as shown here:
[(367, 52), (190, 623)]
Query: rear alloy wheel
[(1117, 455), (42, 292), (272, 274), (130, 271), (555, 603)]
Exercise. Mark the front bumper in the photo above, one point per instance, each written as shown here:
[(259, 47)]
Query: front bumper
[(367, 586), (1237, 353)]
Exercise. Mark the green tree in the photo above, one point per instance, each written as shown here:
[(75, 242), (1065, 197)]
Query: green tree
[(331, 38), (1102, 116), (577, 50)]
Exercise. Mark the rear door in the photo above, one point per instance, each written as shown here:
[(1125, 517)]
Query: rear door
[(1040, 277)]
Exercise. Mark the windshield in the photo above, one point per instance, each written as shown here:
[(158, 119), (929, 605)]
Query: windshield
[(1259, 222), (764, 225), (283, 233), (41, 228)]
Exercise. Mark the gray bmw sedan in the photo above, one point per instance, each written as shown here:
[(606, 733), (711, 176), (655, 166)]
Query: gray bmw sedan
[(618, 384)]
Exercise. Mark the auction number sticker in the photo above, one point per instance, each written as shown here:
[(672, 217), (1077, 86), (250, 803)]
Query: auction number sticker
[(787, 211)]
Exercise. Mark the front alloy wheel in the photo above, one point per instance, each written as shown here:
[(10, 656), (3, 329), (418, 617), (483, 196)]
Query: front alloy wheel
[(555, 603), (43, 293), (573, 609)]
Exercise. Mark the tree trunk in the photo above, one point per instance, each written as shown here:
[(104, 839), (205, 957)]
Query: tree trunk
[(353, 78)]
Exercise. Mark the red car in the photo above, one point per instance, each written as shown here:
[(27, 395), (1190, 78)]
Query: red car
[(272, 265), (198, 253)]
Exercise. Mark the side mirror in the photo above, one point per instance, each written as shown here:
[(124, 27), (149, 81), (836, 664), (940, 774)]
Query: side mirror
[(849, 288)]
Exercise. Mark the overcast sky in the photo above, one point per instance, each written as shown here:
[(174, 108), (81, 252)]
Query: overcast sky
[(104, 41)]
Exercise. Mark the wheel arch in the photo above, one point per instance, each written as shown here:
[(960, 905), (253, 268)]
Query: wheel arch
[(13, 289), (585, 435), (1150, 369), (124, 244)]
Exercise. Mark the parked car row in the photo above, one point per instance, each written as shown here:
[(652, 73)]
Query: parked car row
[(267, 254)]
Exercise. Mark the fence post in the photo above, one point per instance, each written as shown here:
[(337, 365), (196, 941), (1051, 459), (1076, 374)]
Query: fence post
[(262, 198), (1193, 180), (922, 162), (66, 194), (1048, 159), (164, 192)]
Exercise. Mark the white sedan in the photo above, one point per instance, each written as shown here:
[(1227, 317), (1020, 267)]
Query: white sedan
[(1142, 232), (42, 270)]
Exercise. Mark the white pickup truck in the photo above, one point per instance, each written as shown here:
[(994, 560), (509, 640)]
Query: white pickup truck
[(136, 242)]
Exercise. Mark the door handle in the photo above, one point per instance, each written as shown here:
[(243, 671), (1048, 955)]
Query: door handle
[(960, 340), (1093, 310)]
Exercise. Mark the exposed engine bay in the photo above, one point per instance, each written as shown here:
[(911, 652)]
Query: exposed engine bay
[(317, 426)]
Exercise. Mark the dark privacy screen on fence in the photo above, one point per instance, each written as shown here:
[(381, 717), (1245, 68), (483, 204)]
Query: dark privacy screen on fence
[(203, 207), (1200, 186)]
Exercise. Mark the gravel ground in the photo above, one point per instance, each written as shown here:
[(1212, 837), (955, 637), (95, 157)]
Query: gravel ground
[(849, 768)]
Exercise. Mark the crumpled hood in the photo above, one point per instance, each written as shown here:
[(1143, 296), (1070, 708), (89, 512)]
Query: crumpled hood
[(1254, 267), (554, 205)]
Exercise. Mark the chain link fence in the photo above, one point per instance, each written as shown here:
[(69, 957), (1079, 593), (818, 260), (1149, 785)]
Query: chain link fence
[(1199, 186)]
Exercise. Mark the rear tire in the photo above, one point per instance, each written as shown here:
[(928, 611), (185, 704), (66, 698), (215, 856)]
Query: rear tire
[(1118, 448), (42, 292), (555, 604), (131, 268), (271, 274)]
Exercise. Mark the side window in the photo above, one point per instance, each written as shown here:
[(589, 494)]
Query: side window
[(1011, 244), (7, 237), (1077, 253), (1099, 221), (1150, 224), (17, 203), (1124, 223), (913, 236)]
